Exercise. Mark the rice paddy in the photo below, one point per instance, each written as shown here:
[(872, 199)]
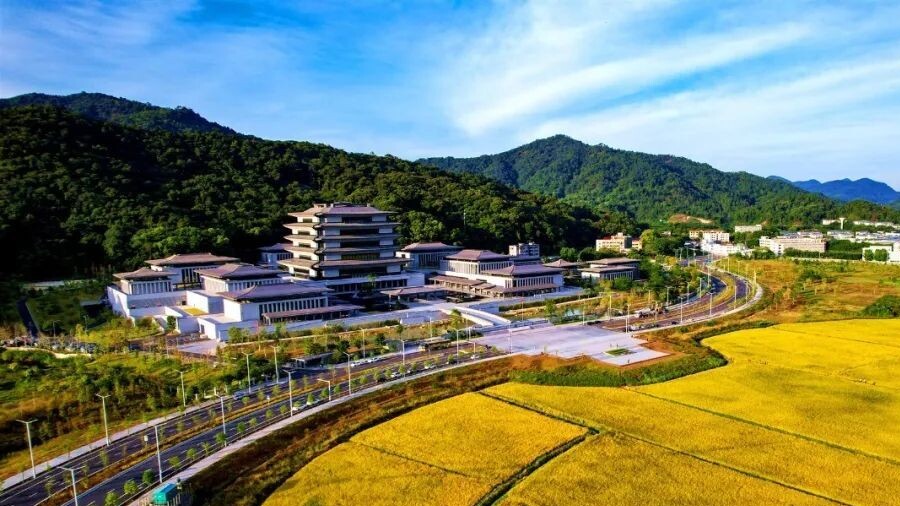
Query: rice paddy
[(463, 447), (803, 414)]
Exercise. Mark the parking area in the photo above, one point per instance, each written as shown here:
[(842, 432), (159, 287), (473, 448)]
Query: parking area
[(569, 341)]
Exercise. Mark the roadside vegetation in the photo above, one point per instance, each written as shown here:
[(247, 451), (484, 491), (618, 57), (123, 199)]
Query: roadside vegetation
[(59, 393)]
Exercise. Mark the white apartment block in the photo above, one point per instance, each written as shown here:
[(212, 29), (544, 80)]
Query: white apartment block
[(780, 244), (619, 242), (715, 236)]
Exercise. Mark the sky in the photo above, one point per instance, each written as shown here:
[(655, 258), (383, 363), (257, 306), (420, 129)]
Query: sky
[(799, 89)]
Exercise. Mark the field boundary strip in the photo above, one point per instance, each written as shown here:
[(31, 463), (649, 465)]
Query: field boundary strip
[(830, 444), (406, 457), (563, 417), (500, 490), (848, 339), (750, 474)]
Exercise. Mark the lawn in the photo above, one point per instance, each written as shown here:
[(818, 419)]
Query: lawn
[(469, 441), (801, 405), (615, 469)]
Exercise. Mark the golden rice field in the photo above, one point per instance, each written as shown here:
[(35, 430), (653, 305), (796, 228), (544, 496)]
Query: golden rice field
[(352, 471), (461, 447), (811, 406), (615, 469), (804, 414)]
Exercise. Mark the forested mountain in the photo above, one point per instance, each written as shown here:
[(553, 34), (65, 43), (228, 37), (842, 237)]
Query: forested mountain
[(122, 111), (78, 194), (847, 189), (653, 187)]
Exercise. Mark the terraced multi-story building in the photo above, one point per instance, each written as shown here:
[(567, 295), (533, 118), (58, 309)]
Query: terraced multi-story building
[(350, 248)]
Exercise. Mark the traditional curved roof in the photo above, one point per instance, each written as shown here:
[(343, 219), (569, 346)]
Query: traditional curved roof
[(425, 247), (191, 259), (144, 273), (277, 291), (561, 264), (523, 270), (238, 271), (477, 255)]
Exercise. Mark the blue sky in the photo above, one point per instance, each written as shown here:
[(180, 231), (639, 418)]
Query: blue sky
[(799, 89)]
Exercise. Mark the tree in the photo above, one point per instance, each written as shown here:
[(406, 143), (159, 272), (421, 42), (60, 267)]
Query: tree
[(191, 454), (221, 438), (282, 410), (130, 488), (269, 414), (174, 462), (147, 477), (550, 309), (170, 324), (205, 445), (310, 399), (111, 499), (241, 427)]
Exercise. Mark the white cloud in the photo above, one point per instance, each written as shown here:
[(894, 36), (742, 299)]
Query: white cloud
[(831, 120)]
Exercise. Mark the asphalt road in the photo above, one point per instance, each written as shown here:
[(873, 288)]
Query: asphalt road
[(34, 492)]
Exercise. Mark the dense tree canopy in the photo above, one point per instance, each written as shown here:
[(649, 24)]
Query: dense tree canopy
[(655, 187), (78, 194)]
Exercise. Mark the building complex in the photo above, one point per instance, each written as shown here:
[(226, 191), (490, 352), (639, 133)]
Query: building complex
[(799, 242), (339, 255)]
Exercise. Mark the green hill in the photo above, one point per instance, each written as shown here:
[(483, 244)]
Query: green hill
[(652, 187), (122, 111), (79, 195)]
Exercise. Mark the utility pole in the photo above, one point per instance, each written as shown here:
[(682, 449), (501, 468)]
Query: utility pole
[(105, 425), (277, 376), (74, 488), (30, 450)]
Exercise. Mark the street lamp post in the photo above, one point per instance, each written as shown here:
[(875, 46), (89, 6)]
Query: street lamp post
[(457, 344), (349, 383), (249, 385), (158, 455), (30, 450), (277, 376), (403, 354), (105, 425), (74, 487), (183, 397), (222, 405), (290, 391), (329, 387)]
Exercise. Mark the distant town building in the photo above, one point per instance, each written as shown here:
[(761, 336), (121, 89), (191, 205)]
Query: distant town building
[(845, 235), (348, 247), (893, 251), (725, 249), (715, 236), (619, 242), (780, 244), (485, 273), (747, 229), (867, 223), (695, 234), (841, 220), (612, 268)]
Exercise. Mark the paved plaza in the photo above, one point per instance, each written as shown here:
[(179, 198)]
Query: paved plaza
[(569, 341)]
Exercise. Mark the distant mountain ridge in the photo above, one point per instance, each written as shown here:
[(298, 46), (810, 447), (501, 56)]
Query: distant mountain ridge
[(122, 111), (848, 189), (652, 187)]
